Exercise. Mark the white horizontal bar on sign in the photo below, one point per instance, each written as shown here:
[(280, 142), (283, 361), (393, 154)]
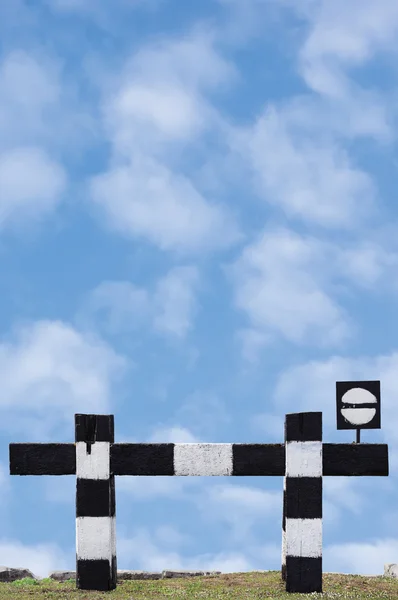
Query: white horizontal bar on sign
[(358, 416), (303, 537), (203, 459), (304, 459), (95, 465), (95, 538)]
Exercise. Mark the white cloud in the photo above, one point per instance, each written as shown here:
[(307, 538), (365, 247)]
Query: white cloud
[(161, 548), (175, 435), (280, 283), (345, 35), (206, 412), (160, 95), (124, 305), (191, 59), (307, 177), (343, 492), (286, 284), (252, 342), (31, 181), (367, 264), (5, 482), (170, 536), (251, 502), (147, 200), (335, 38), (154, 487), (21, 72), (295, 148), (169, 308), (365, 558), (29, 92), (164, 110), (240, 507), (43, 119), (31, 185), (40, 559), (157, 550), (42, 106), (156, 106), (47, 365), (143, 550), (175, 302)]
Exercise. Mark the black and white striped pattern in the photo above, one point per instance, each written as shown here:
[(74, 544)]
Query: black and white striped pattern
[(95, 504), (283, 570), (301, 460), (302, 504), (198, 459)]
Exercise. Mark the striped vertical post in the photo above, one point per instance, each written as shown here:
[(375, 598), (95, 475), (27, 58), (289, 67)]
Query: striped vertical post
[(95, 503), (284, 531), (303, 502)]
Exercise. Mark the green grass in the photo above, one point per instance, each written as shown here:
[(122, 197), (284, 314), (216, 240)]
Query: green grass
[(229, 586)]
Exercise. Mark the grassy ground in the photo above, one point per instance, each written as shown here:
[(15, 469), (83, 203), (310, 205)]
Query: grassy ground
[(230, 586)]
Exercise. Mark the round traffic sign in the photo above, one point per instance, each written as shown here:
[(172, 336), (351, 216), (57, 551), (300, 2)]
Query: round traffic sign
[(356, 415)]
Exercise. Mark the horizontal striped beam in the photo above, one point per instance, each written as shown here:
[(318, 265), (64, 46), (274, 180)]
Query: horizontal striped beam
[(355, 459), (199, 459), (42, 459)]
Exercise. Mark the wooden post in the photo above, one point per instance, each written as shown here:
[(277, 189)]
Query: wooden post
[(283, 570), (96, 567), (303, 502)]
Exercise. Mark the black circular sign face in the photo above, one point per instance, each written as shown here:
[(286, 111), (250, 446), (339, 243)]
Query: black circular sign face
[(355, 413)]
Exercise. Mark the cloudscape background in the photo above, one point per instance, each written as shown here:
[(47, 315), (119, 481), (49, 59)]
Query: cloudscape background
[(198, 234)]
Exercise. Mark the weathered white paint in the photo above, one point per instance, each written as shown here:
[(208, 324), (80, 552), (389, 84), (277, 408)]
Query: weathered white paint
[(95, 465), (95, 538), (304, 459), (203, 459), (304, 537), (358, 396), (358, 416), (113, 536)]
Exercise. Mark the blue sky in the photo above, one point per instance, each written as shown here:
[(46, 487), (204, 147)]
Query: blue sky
[(198, 234)]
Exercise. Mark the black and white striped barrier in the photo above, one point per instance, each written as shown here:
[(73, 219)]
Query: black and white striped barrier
[(95, 503), (95, 459), (302, 503)]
